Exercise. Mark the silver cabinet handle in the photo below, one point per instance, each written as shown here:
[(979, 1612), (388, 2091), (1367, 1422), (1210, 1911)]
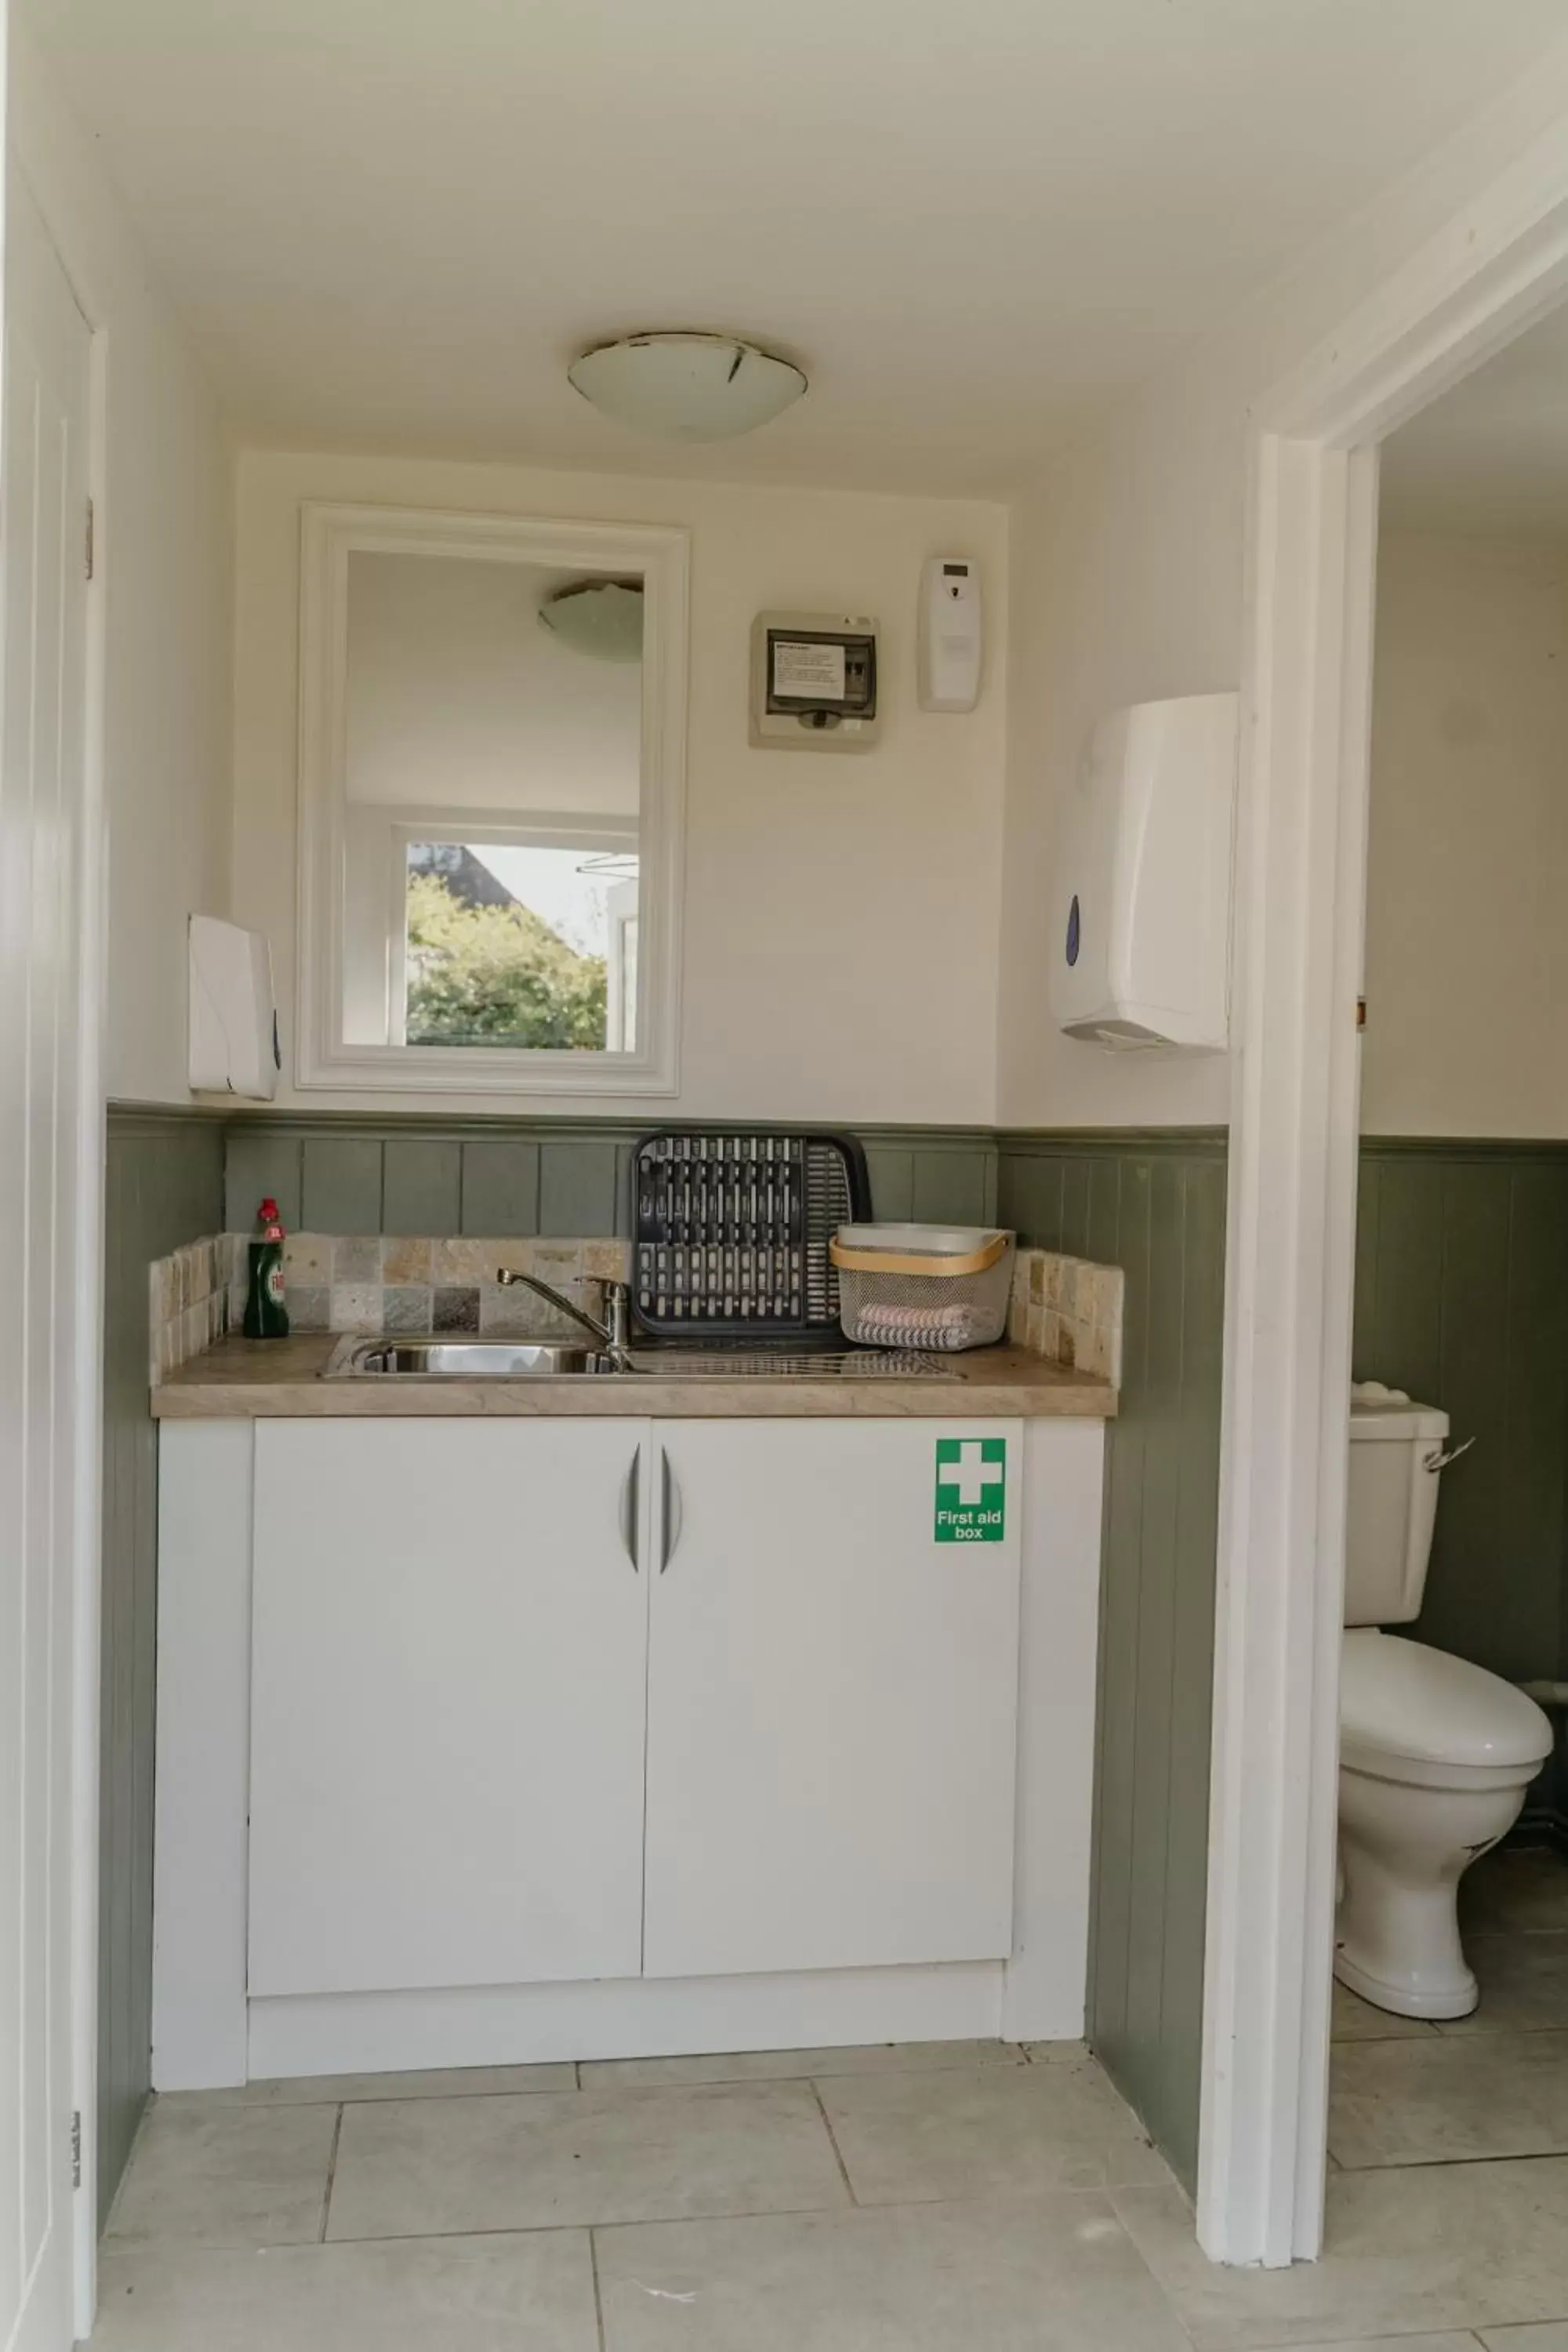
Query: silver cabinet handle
[(1440, 1461), (671, 1514), (629, 1509)]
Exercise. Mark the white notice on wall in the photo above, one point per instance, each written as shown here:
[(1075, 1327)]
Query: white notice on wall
[(808, 670)]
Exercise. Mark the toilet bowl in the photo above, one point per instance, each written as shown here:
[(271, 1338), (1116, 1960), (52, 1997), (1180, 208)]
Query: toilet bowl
[(1436, 1755)]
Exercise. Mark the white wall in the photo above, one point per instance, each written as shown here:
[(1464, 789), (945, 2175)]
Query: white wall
[(1467, 949), (164, 543), (840, 932), (457, 698), (1128, 584)]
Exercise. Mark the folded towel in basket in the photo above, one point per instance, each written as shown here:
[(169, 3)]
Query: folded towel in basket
[(951, 1327)]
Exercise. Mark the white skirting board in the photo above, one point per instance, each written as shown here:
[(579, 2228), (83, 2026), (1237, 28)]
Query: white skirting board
[(208, 2033), (514, 2025)]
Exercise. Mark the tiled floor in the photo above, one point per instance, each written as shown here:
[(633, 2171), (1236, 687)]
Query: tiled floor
[(949, 2197)]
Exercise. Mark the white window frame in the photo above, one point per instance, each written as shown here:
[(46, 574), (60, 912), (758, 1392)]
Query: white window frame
[(1497, 269), (330, 535)]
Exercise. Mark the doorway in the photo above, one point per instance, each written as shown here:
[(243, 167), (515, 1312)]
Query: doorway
[(1301, 867)]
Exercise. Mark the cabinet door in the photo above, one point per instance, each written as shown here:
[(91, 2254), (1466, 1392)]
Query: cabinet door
[(448, 1688), (832, 1696)]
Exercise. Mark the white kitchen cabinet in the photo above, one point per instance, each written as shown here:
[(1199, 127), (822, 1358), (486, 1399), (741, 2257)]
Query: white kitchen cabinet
[(448, 1654), (832, 1740)]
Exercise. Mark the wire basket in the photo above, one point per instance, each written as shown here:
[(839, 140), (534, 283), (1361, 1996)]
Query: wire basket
[(936, 1287)]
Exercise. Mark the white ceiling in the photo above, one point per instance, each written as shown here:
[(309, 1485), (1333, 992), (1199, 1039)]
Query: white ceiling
[(1491, 455), (392, 222)]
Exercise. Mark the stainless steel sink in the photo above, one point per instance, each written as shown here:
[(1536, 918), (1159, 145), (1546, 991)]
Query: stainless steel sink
[(425, 1360), (511, 1360)]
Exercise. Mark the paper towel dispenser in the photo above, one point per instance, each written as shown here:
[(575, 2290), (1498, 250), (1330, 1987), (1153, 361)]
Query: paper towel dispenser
[(234, 1022), (1141, 895)]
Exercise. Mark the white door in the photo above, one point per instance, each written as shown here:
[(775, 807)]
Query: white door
[(833, 1678), (43, 1325), (450, 1643)]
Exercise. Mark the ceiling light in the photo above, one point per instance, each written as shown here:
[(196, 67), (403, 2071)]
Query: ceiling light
[(600, 617), (683, 387)]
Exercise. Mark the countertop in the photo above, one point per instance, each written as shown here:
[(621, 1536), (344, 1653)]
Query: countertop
[(281, 1379)]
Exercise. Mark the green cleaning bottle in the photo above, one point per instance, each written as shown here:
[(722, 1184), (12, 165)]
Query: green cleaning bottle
[(266, 1316)]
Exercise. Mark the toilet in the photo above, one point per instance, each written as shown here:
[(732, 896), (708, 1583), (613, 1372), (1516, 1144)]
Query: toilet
[(1434, 1754)]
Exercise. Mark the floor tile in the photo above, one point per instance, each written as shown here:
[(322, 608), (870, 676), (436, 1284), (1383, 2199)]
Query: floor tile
[(432, 2083), (1552, 2336), (1354, 2019), (1451, 2340), (1524, 1984), (227, 2176), (529, 2293), (1515, 1887), (1056, 2053), (1047, 2274), (1000, 2131), (784, 2065), (406, 2169), (1449, 2100), (1447, 2246)]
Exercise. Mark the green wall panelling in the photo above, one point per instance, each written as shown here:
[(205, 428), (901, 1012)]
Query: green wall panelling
[(1462, 1299), (341, 1185), (162, 1187), (500, 1188), (577, 1189), (1154, 1204), (259, 1165), (347, 1172), (422, 1185)]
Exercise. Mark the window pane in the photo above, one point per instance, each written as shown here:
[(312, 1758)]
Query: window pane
[(511, 946)]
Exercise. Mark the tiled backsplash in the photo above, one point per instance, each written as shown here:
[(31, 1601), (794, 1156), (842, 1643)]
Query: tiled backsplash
[(1065, 1308), (380, 1282), (190, 1300), (1068, 1309)]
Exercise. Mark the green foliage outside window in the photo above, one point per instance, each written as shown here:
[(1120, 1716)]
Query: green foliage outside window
[(496, 976)]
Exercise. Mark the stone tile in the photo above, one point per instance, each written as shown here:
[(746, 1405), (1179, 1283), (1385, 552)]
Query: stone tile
[(1551, 2336), (1026, 2275), (309, 1308), (430, 2083), (228, 2176), (783, 2065), (1523, 1981), (1514, 1888), (405, 1260), (466, 1263), (983, 2132), (607, 1261), (355, 1307), (422, 2167), (529, 2293), (356, 1257), (455, 1310), (1449, 2100), (1437, 2247), (1451, 2340), (1354, 2019), (405, 1308)]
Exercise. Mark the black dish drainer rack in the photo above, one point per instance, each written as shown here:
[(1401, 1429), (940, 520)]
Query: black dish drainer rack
[(731, 1230)]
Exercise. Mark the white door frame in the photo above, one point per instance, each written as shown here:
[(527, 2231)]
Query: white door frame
[(1312, 544)]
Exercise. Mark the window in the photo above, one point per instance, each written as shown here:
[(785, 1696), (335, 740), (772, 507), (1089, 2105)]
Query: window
[(492, 733)]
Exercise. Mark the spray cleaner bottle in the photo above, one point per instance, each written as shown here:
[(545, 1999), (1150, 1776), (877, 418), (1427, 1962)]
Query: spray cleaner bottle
[(266, 1316)]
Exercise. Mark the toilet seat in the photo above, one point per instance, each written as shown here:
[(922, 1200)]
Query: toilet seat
[(1419, 1715)]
